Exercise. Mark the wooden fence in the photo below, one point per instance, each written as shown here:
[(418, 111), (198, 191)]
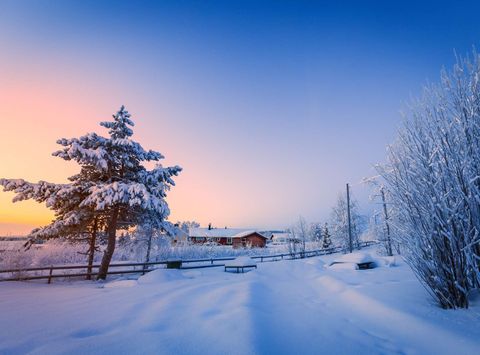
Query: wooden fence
[(67, 271)]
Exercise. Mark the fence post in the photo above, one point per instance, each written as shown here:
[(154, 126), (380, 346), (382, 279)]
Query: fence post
[(50, 274), (261, 259)]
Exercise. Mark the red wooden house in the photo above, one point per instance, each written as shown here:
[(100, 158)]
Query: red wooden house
[(235, 237)]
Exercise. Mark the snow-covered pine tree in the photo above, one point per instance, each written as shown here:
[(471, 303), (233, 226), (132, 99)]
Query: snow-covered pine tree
[(113, 184), (124, 189), (326, 238)]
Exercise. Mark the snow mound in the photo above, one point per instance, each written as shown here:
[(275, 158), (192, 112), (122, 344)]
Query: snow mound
[(315, 261), (241, 261), (192, 274), (389, 261), (121, 284), (161, 276)]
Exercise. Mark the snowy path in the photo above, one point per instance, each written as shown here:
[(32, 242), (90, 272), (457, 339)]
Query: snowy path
[(288, 307)]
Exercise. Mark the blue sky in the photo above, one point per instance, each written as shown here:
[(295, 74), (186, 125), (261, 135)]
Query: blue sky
[(270, 107)]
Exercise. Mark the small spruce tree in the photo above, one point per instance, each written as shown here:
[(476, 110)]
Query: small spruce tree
[(326, 238)]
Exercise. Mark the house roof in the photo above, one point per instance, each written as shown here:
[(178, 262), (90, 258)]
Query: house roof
[(216, 232), (222, 232), (246, 233)]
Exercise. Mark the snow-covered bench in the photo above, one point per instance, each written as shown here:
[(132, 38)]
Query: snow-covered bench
[(362, 261), (241, 263)]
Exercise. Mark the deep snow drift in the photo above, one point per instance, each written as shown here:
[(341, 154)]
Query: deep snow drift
[(285, 307)]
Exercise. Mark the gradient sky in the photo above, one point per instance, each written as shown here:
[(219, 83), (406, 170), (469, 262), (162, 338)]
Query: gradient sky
[(270, 107)]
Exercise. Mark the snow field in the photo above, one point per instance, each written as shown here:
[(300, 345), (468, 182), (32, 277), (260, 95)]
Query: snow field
[(285, 307)]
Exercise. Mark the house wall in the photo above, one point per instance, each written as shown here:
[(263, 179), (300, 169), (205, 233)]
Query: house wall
[(254, 240), (203, 240)]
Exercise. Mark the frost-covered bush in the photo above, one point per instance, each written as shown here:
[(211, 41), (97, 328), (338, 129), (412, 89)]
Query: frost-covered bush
[(433, 177), (339, 223), (53, 252)]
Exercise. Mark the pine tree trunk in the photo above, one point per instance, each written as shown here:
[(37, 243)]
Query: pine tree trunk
[(91, 250), (149, 247), (107, 255)]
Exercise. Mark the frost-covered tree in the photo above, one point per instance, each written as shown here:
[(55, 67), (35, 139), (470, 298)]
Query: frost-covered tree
[(113, 185), (187, 225), (316, 232), (326, 238), (432, 175), (299, 236), (339, 223), (380, 224)]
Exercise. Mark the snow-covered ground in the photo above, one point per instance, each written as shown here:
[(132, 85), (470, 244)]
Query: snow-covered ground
[(285, 307)]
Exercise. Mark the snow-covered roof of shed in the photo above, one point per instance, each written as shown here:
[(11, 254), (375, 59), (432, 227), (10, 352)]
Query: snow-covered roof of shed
[(216, 232)]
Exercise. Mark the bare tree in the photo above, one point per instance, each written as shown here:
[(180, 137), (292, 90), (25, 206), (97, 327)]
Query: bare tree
[(299, 236), (340, 224)]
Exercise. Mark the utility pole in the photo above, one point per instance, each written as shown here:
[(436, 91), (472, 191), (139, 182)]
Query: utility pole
[(350, 244), (389, 241)]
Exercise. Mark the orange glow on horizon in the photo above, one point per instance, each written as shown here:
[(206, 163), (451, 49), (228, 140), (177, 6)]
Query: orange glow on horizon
[(224, 182)]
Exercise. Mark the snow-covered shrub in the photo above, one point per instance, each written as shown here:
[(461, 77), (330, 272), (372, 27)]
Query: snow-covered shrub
[(53, 252), (433, 177)]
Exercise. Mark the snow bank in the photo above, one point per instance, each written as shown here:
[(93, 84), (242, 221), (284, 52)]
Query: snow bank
[(315, 261), (388, 261), (121, 284)]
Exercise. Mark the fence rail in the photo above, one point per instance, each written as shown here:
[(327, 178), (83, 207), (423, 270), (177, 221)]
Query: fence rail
[(25, 274)]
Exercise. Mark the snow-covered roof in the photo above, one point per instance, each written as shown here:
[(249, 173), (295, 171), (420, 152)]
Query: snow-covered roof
[(281, 235), (216, 232), (247, 232), (222, 232)]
